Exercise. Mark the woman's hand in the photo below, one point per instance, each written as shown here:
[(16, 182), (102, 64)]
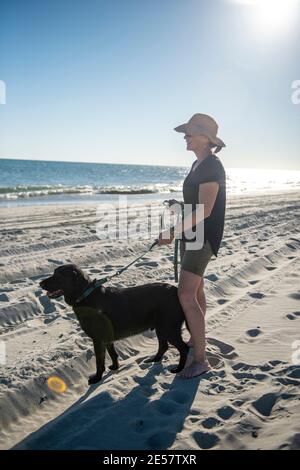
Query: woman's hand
[(165, 238), (172, 202)]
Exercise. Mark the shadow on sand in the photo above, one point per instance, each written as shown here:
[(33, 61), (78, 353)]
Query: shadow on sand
[(136, 421)]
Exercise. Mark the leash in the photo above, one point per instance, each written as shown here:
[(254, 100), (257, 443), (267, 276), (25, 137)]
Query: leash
[(176, 250), (99, 282), (176, 241), (103, 280)]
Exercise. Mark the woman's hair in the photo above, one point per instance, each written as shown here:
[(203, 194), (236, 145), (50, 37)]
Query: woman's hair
[(217, 148)]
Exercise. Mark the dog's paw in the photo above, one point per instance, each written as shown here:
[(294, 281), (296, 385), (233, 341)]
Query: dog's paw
[(114, 366), (95, 378)]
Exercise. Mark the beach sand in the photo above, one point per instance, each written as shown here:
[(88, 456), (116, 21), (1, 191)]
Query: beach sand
[(251, 401)]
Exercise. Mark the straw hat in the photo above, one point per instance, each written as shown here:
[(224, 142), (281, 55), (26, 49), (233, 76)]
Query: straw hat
[(202, 124)]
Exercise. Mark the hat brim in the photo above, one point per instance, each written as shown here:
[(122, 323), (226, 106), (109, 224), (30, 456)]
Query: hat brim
[(186, 129)]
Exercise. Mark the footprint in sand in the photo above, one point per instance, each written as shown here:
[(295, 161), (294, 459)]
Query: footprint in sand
[(295, 295), (4, 298), (210, 423), (248, 371), (254, 332), (226, 350), (248, 375), (270, 268), (205, 440), (257, 295), (250, 335), (216, 361), (226, 412), (254, 282), (265, 404), (290, 376), (212, 277), (294, 372), (293, 316), (108, 268), (222, 301)]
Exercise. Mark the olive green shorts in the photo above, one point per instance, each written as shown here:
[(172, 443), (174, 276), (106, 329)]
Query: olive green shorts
[(195, 261)]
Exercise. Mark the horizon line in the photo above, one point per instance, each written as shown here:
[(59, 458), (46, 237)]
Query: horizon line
[(137, 164)]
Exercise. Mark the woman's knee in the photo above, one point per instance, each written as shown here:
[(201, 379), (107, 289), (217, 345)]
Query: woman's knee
[(187, 295), (188, 287)]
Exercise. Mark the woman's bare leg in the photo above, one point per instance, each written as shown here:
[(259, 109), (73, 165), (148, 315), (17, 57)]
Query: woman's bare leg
[(188, 286), (201, 301)]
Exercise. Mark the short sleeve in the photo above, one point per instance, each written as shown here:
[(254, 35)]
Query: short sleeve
[(214, 172)]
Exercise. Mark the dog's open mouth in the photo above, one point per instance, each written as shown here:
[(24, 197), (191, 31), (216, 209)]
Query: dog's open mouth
[(55, 294)]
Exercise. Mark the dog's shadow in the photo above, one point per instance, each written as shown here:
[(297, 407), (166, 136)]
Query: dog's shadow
[(137, 421)]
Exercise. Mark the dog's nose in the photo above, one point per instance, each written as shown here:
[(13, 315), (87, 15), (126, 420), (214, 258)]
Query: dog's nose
[(41, 283)]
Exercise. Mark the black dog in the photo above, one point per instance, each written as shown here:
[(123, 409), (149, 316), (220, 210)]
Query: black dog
[(108, 314)]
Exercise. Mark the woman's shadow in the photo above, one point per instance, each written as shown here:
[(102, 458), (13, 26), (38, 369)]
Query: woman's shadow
[(137, 421)]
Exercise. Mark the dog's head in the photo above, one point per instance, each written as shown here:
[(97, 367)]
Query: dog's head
[(68, 281)]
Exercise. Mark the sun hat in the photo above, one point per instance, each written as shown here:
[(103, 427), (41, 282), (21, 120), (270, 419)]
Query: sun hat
[(202, 124)]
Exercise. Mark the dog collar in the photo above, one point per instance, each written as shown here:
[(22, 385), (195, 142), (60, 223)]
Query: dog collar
[(91, 289)]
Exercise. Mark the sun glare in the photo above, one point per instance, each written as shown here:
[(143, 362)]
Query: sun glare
[(271, 17)]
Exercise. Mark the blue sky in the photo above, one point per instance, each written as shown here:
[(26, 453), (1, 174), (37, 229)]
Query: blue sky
[(107, 81)]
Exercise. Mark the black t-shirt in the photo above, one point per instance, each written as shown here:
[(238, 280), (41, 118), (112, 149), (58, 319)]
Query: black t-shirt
[(210, 169)]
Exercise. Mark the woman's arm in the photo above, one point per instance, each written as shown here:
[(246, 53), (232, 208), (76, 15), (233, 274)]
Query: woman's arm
[(207, 195)]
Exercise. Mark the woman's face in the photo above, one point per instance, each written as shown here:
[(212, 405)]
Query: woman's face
[(196, 142)]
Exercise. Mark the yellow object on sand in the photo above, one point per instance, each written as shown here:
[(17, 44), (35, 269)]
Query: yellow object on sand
[(56, 384)]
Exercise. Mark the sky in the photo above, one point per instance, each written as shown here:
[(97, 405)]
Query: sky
[(108, 80)]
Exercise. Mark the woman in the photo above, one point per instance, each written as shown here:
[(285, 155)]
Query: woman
[(205, 184)]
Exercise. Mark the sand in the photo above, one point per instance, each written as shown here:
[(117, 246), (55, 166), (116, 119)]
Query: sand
[(251, 401)]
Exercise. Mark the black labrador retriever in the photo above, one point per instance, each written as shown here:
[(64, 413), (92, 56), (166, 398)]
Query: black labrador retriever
[(107, 314)]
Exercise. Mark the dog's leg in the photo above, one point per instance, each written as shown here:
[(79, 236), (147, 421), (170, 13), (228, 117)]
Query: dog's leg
[(114, 356), (100, 361), (162, 348), (183, 351)]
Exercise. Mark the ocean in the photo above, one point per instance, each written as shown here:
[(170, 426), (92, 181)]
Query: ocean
[(44, 182)]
